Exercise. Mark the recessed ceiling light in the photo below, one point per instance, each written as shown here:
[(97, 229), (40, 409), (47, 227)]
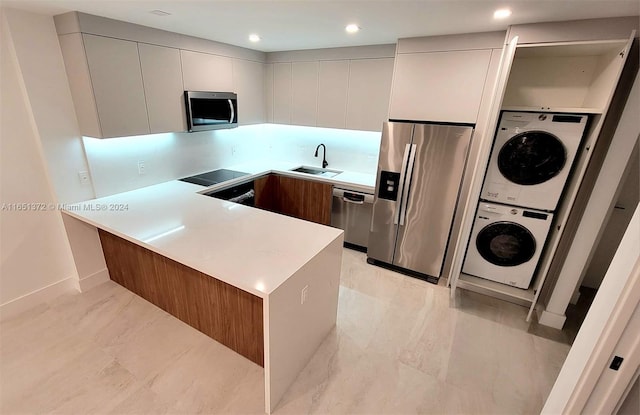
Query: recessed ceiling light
[(501, 14), (254, 38), (160, 13), (352, 28)]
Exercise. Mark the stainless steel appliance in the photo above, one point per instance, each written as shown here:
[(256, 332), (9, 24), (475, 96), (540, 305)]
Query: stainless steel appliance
[(242, 193), (420, 170), (214, 177), (211, 110), (351, 212)]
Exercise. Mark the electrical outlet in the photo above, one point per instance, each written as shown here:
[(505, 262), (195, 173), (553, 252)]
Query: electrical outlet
[(84, 176), (304, 294), (141, 167)]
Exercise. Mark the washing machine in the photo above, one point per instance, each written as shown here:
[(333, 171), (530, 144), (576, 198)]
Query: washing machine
[(506, 243), (531, 158)]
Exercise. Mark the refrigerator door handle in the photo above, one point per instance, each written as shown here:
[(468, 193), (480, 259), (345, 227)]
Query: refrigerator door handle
[(403, 174), (407, 186)]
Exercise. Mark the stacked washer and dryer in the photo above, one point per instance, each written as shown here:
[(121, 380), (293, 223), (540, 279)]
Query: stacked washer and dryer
[(529, 166)]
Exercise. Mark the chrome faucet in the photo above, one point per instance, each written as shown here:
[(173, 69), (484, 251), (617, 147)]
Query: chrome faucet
[(324, 155)]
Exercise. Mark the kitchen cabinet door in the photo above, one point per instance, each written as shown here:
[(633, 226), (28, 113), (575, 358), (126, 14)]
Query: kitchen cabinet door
[(304, 93), (368, 93), (304, 199), (439, 86), (268, 91), (248, 83), (282, 93), (205, 72), (164, 93), (265, 189), (118, 89), (333, 83)]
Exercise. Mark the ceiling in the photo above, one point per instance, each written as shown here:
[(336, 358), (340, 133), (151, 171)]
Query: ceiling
[(309, 24)]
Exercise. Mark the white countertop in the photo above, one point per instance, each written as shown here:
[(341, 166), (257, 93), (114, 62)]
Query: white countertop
[(249, 248)]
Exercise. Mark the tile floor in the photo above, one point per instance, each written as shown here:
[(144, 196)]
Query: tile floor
[(399, 347)]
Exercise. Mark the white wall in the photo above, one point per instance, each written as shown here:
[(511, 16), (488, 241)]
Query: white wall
[(599, 318), (35, 257), (114, 162), (346, 149), (48, 96)]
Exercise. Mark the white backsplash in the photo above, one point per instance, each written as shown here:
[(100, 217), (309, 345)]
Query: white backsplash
[(114, 162)]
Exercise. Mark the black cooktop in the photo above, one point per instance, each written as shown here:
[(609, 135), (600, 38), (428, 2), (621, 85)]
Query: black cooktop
[(214, 177)]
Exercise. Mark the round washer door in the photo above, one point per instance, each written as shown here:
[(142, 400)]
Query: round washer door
[(531, 158), (506, 244)]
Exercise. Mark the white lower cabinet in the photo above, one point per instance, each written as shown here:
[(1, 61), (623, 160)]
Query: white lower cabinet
[(164, 93), (116, 77), (439, 86)]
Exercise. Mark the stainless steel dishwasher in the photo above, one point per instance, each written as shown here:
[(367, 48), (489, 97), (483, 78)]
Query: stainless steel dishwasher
[(351, 211)]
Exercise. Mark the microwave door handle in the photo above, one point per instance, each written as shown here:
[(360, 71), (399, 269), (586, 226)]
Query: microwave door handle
[(233, 113)]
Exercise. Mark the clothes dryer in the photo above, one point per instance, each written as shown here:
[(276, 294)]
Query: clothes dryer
[(506, 243), (531, 158)]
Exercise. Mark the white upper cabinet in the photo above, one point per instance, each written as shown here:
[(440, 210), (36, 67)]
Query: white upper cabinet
[(588, 30), (333, 82), (439, 86), (304, 93), (268, 91), (248, 83), (564, 78), (330, 93), (116, 77), (162, 77), (282, 93), (368, 93), (205, 72), (75, 63)]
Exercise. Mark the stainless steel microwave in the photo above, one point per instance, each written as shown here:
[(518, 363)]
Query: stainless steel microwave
[(211, 110)]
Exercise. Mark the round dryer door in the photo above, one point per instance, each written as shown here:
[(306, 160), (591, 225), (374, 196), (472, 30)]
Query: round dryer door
[(506, 244), (532, 157)]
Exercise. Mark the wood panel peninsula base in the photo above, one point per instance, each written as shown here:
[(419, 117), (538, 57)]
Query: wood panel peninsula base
[(234, 272), (223, 312), (276, 332)]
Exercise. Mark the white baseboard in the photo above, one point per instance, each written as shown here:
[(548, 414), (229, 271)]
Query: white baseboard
[(27, 301), (549, 319), (94, 280)]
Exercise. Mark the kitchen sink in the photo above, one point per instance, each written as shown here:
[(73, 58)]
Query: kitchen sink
[(316, 171)]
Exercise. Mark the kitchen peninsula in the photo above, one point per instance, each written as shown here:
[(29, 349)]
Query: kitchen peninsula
[(263, 284)]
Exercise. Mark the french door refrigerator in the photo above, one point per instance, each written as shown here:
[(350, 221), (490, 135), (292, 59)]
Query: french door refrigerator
[(420, 171)]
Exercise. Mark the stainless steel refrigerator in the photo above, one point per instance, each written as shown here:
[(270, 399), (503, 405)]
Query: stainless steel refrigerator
[(420, 171)]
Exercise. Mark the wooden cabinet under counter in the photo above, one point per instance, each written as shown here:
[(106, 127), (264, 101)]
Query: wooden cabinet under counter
[(304, 199), (223, 312), (233, 272)]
